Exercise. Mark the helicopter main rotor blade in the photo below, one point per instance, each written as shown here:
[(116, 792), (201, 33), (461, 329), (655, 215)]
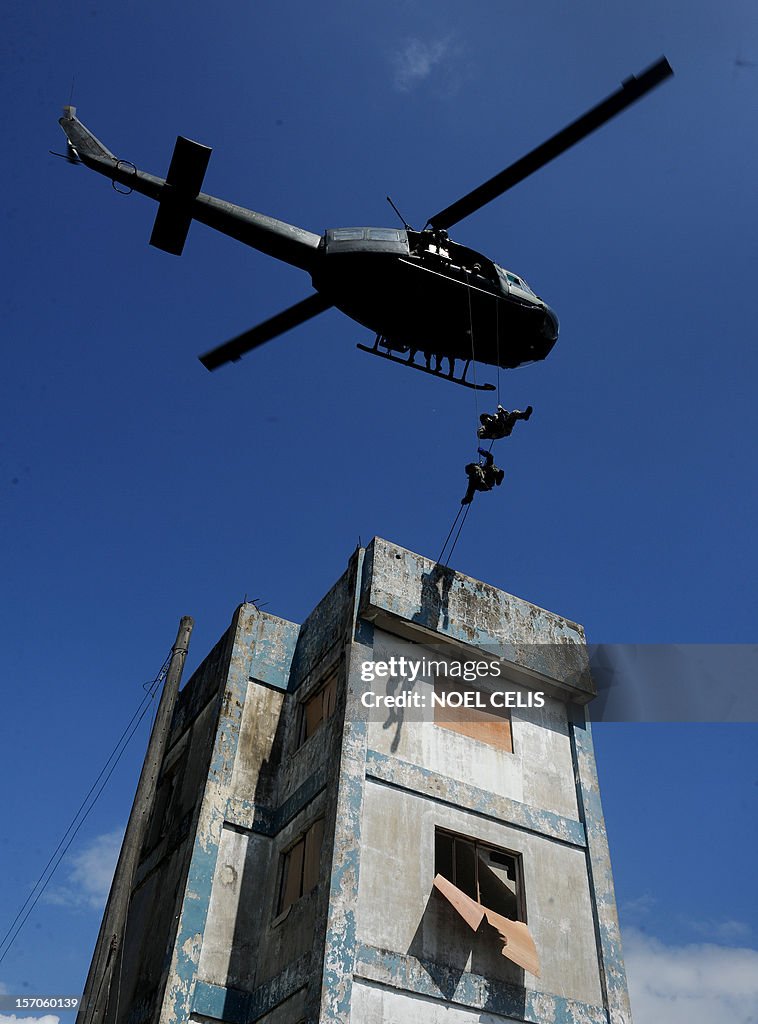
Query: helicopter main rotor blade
[(233, 350), (631, 90)]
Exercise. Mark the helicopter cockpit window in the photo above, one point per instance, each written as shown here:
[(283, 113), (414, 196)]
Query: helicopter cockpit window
[(513, 281), (346, 234)]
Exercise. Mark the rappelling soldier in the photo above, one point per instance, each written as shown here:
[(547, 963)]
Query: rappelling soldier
[(482, 476), (501, 423)]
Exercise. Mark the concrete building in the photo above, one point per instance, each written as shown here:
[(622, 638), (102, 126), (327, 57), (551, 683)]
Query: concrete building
[(308, 859)]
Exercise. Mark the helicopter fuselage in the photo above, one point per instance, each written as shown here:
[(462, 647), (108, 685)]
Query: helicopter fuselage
[(419, 290)]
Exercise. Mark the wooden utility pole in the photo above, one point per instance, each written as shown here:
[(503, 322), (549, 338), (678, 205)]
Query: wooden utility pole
[(96, 1001)]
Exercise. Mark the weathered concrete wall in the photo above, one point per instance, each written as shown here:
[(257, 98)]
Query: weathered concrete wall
[(399, 911), (158, 886), (373, 941), (376, 1004), (261, 648), (402, 589), (413, 954), (540, 770), (253, 961)]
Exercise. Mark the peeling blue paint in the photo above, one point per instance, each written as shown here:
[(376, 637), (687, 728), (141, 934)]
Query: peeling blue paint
[(269, 821), (233, 1006), (271, 650), (612, 971), (397, 584), (220, 1003), (409, 587), (407, 973), (294, 977), (341, 935), (449, 791), (246, 626), (324, 629)]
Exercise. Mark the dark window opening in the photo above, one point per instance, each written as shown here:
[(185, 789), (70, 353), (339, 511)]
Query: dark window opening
[(482, 883), (488, 876), (318, 708)]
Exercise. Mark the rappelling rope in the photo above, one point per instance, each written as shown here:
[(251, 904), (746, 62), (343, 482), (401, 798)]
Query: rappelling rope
[(455, 541), (471, 335), (442, 552), (497, 345), (465, 510)]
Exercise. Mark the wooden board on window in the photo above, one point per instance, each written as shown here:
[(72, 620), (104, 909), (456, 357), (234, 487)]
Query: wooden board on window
[(519, 944), (471, 912), (293, 876), (314, 714), (487, 725)]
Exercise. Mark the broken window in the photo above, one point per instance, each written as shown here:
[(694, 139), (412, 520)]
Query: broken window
[(487, 724), (318, 708), (481, 882), (301, 866)]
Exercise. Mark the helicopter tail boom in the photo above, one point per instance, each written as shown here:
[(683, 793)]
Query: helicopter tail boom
[(97, 157), (181, 202)]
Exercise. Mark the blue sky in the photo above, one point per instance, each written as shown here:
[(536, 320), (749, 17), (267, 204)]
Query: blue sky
[(135, 487)]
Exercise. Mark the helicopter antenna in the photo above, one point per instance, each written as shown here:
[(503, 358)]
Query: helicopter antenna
[(404, 222)]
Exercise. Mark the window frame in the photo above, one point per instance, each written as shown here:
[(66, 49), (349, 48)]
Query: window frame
[(489, 848), (325, 689), (280, 907)]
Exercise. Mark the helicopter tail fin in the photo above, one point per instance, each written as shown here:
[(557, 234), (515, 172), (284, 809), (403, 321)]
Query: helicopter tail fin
[(85, 146), (183, 182)]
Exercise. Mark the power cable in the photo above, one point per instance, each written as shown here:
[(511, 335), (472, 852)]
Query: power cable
[(69, 836)]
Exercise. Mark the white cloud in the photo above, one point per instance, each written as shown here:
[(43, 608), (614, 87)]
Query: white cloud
[(723, 931), (90, 874), (639, 912), (416, 61), (694, 984), (639, 907), (11, 1018)]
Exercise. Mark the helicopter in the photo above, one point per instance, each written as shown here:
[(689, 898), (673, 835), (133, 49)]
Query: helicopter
[(418, 291)]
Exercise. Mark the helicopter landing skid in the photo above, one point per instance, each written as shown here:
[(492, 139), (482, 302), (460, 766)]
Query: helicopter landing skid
[(409, 362)]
